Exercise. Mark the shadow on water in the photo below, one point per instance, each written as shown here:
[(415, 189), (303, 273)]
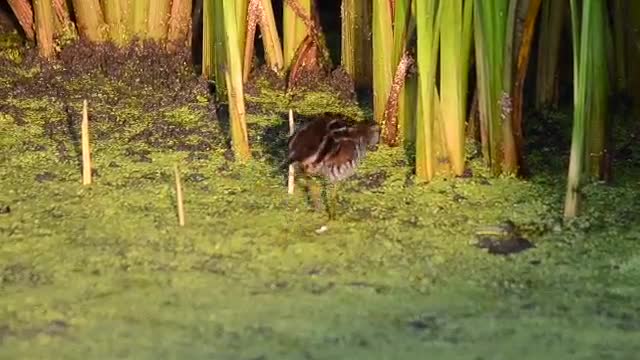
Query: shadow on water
[(221, 115), (74, 135)]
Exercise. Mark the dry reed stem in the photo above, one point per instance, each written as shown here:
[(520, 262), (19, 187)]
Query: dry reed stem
[(86, 156), (179, 197), (254, 14), (291, 169), (24, 14), (391, 109)]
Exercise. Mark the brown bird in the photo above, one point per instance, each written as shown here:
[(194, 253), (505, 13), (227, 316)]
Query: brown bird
[(331, 147)]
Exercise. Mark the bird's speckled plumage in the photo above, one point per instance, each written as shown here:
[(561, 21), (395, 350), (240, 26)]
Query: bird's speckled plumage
[(332, 146)]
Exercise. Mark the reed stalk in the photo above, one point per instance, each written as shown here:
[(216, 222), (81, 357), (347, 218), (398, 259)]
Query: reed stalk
[(213, 46), (241, 21), (551, 23), (89, 20), (138, 18), (454, 69), (115, 15), (86, 153), (522, 63), (64, 25), (428, 28), (270, 39), (254, 13), (44, 19), (233, 75), (382, 27), (356, 41), (598, 125), (494, 24), (294, 29), (158, 20), (179, 23), (179, 195), (589, 70), (396, 112), (24, 13)]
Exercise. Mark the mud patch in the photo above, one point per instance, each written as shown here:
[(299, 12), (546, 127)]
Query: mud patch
[(45, 177), (263, 77), (21, 274), (372, 181), (337, 82)]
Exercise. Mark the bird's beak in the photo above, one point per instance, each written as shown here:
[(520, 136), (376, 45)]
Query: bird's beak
[(375, 138)]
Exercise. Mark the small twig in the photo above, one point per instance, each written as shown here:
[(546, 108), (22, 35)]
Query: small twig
[(86, 156), (179, 198), (291, 169)]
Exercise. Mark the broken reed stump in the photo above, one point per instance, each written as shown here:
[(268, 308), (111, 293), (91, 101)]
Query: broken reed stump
[(179, 198), (291, 169), (86, 156)]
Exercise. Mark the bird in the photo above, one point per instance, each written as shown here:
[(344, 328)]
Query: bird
[(331, 146)]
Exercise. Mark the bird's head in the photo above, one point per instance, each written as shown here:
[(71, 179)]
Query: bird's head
[(371, 135)]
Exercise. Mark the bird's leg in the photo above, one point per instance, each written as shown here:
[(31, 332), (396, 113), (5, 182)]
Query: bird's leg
[(333, 201), (315, 195)]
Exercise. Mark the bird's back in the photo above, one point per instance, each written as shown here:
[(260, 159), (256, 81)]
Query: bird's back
[(331, 146)]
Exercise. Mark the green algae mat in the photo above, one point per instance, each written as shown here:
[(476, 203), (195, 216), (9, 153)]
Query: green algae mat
[(105, 272)]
